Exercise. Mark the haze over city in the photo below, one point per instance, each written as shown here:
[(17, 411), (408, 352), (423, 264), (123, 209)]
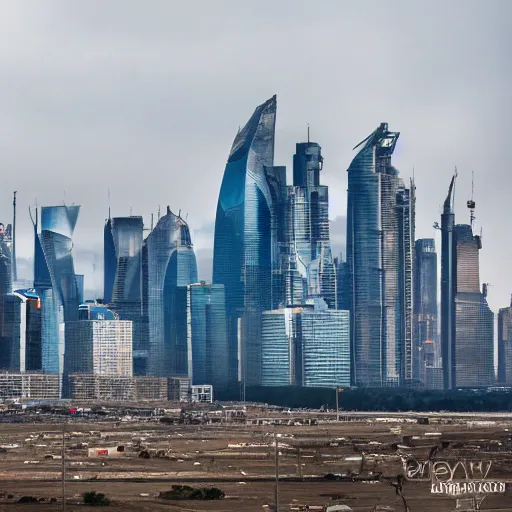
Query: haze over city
[(145, 103)]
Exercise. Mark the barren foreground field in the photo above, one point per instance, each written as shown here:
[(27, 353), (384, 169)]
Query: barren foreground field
[(363, 461)]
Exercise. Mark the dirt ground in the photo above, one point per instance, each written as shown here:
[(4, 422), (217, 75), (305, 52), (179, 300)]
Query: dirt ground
[(240, 460)]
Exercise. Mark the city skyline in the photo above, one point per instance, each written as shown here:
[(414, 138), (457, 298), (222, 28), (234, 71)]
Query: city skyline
[(272, 256), (91, 122)]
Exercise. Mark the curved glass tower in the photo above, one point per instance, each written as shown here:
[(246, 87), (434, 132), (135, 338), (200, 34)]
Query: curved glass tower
[(169, 264), (55, 281), (123, 237), (376, 256), (242, 259)]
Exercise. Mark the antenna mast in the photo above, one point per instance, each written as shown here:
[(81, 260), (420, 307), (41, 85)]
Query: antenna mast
[(14, 269), (471, 203)]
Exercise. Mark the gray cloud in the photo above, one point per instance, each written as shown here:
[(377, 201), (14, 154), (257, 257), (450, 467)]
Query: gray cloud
[(145, 101)]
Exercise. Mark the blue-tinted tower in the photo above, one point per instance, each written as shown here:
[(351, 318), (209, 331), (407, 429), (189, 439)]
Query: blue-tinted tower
[(55, 281), (376, 257), (308, 227), (169, 263), (244, 247), (206, 334), (448, 287), (123, 238)]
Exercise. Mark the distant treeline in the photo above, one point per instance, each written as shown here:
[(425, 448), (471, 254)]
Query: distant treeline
[(378, 399)]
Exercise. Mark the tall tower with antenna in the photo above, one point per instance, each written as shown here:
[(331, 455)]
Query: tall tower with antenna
[(13, 255)]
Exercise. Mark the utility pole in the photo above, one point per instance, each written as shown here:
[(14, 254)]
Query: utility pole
[(277, 474), (63, 457)]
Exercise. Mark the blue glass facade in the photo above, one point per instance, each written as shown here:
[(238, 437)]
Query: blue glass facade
[(243, 246), (5, 289), (306, 346), (21, 349), (55, 281), (325, 348), (123, 239), (169, 264), (380, 219), (425, 308), (448, 287), (467, 322), (206, 334), (308, 225)]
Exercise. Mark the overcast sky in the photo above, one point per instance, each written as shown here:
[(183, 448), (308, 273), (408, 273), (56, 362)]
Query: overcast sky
[(145, 98)]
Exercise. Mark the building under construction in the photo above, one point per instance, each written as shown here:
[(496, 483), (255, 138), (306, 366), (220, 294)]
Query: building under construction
[(36, 386), (127, 389)]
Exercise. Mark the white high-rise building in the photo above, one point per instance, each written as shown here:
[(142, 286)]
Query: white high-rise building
[(101, 345)]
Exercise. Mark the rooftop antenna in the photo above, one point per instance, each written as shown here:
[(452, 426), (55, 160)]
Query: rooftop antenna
[(130, 211), (158, 216), (151, 222), (308, 133), (13, 262), (471, 203)]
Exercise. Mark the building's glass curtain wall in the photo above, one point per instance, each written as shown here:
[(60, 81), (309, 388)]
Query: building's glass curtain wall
[(474, 321), (467, 323), (308, 230), (425, 308), (5, 302), (123, 237), (54, 279), (380, 224), (448, 287), (505, 345), (243, 247), (406, 204), (306, 346), (169, 263), (205, 317)]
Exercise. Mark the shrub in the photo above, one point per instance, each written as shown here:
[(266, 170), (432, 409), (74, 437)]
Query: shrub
[(95, 499), (185, 492)]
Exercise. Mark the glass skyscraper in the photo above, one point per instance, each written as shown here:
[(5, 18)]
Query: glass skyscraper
[(244, 248), (448, 287), (425, 307), (5, 290), (467, 322), (169, 262), (123, 238), (505, 345), (308, 229), (55, 281), (205, 319), (306, 346), (380, 227), (474, 320), (21, 337)]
